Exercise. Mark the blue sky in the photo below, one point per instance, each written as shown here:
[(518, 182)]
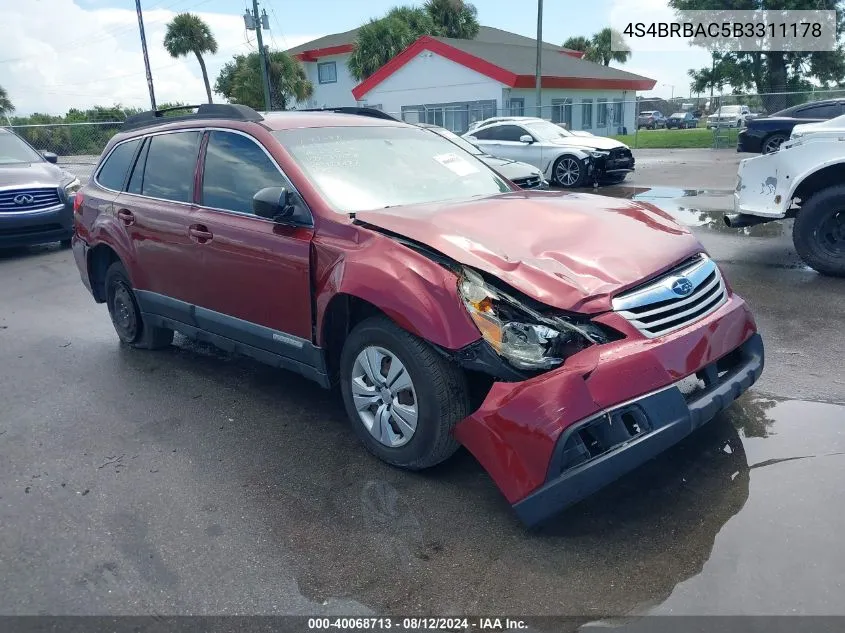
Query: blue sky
[(58, 54)]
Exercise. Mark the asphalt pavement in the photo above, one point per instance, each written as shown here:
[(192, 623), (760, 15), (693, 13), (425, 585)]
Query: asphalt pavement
[(190, 481)]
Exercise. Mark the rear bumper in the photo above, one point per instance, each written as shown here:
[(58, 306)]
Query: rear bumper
[(38, 227), (662, 419)]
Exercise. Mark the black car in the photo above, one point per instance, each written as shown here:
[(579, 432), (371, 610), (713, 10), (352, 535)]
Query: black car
[(523, 175), (36, 196), (682, 121), (763, 135)]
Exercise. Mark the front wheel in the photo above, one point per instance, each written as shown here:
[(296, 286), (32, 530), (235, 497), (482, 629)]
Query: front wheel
[(402, 397), (819, 231), (569, 172)]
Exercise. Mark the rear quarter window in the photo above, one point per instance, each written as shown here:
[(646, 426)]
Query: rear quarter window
[(113, 172)]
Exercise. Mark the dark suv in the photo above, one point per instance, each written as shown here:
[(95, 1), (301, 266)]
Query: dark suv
[(562, 338), (36, 195)]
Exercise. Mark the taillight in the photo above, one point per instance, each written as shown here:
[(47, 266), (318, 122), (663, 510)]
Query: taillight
[(77, 202)]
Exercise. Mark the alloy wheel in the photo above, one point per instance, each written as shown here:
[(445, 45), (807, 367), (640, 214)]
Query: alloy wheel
[(772, 144), (384, 396), (568, 172)]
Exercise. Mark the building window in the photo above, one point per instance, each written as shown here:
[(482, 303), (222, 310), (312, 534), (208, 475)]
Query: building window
[(455, 116), (517, 107), (617, 112), (601, 114), (327, 72), (587, 114), (562, 112)]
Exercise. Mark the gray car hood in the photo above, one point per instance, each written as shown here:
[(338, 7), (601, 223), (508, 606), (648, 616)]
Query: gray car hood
[(510, 169), (32, 174)]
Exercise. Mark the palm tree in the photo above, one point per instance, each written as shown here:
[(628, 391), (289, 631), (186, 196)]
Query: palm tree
[(5, 103), (377, 43), (453, 18), (240, 80), (601, 48), (188, 33), (577, 43)]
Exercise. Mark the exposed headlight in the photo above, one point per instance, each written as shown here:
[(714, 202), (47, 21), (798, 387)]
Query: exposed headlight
[(597, 153), (523, 337), (72, 187)]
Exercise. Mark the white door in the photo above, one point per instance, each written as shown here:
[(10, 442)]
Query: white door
[(503, 141)]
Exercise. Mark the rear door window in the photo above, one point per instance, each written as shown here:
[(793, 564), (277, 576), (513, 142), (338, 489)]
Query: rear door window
[(170, 166), (507, 133), (115, 169), (137, 177), (236, 168)]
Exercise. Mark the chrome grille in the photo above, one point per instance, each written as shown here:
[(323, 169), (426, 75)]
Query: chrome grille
[(31, 199), (656, 309), (532, 182)]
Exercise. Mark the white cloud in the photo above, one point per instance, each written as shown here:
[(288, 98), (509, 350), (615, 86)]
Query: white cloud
[(56, 55)]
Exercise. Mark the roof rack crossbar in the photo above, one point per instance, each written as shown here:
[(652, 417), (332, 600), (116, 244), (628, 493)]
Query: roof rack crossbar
[(229, 111)]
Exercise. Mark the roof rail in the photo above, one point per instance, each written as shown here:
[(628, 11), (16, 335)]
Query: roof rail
[(360, 111), (230, 111)]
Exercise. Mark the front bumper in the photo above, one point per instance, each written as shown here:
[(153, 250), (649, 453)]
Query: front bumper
[(514, 433), (750, 141), (763, 185), (37, 227), (629, 435)]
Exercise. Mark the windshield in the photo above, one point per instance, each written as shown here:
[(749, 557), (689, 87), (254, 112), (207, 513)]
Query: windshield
[(729, 109), (678, 115), (546, 131), (13, 150), (360, 168), (457, 140)]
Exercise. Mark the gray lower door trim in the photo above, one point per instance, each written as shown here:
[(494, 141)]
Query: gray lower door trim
[(232, 334)]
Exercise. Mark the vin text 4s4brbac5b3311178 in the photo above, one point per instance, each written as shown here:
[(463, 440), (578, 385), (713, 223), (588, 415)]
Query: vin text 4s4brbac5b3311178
[(563, 339)]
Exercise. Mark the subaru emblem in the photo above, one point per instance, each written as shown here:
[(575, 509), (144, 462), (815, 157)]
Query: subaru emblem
[(682, 286)]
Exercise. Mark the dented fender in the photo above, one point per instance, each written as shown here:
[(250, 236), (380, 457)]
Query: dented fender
[(417, 293)]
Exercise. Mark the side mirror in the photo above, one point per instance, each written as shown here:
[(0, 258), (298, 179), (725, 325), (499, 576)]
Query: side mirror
[(273, 203), (50, 157), (526, 138)]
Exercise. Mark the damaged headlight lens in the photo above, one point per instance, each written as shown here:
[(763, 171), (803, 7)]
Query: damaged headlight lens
[(523, 337), (597, 153)]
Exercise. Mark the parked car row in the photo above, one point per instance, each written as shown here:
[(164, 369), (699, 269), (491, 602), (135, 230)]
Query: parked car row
[(443, 301), (764, 135)]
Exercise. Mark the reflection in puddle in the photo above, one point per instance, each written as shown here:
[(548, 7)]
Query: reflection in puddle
[(708, 213)]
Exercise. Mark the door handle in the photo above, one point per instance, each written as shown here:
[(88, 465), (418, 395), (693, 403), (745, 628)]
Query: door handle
[(200, 233), (126, 216)]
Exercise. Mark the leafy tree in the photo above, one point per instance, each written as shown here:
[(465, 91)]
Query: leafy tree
[(188, 33), (380, 40), (5, 103), (453, 18), (240, 80), (770, 72), (577, 43)]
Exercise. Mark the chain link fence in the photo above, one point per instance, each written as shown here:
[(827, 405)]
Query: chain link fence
[(78, 138)]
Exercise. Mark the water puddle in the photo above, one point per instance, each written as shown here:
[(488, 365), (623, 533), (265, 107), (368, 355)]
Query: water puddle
[(697, 208)]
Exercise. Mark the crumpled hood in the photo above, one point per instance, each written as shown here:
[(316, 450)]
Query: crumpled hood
[(595, 142), (38, 174), (568, 250)]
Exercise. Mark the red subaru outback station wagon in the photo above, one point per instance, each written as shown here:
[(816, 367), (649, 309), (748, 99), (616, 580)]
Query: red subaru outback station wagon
[(562, 338)]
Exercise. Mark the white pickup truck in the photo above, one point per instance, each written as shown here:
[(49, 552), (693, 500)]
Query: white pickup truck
[(804, 179)]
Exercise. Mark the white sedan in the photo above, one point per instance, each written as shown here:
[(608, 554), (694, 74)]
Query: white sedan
[(567, 159)]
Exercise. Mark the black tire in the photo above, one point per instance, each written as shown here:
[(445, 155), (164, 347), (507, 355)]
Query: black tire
[(819, 231), (561, 180), (440, 386), (125, 315), (771, 143)]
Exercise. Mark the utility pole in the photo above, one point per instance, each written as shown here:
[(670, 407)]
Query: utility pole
[(538, 71), (253, 23), (146, 56)]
